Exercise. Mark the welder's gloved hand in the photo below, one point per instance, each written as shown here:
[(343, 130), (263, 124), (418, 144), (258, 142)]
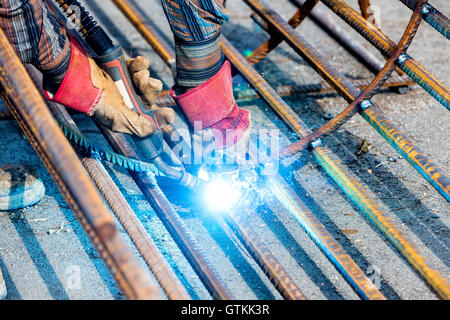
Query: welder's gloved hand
[(89, 89), (215, 116), (111, 110), (149, 89)]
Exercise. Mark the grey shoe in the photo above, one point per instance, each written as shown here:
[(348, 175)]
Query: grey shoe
[(20, 187), (2, 286)]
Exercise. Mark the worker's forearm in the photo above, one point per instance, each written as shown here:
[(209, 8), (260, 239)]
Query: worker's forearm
[(196, 26), (36, 34)]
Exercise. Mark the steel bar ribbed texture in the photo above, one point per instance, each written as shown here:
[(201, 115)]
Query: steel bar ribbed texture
[(263, 50), (156, 198), (355, 48), (157, 43), (361, 285), (323, 239), (344, 87), (340, 175), (255, 246), (168, 55), (349, 183), (321, 153), (318, 88), (6, 115), (163, 208), (261, 253), (386, 46), (55, 152), (318, 16), (173, 223), (368, 92), (433, 17), (364, 6), (120, 207), (242, 93)]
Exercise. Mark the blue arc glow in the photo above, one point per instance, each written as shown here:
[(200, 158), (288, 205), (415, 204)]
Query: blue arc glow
[(221, 194)]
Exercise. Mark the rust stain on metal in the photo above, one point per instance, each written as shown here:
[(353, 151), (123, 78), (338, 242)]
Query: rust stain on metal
[(63, 165), (368, 92)]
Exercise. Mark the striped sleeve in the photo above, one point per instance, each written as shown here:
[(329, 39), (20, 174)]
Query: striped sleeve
[(36, 33)]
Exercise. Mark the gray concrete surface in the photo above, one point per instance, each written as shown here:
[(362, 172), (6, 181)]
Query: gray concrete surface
[(44, 253)]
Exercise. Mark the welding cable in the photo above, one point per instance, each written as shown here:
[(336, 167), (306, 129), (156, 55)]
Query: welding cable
[(157, 167), (99, 153), (365, 96)]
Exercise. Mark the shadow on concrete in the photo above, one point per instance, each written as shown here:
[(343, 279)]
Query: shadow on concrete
[(13, 293), (40, 260)]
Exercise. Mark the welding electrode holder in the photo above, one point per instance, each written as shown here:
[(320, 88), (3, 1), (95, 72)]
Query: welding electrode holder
[(112, 59), (151, 148), (114, 64)]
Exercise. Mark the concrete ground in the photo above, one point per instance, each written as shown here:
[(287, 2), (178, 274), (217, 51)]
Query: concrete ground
[(45, 254)]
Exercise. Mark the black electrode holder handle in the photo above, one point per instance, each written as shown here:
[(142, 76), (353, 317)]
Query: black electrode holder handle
[(151, 148), (114, 64)]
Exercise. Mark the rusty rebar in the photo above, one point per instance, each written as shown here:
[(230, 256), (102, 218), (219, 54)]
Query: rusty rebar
[(433, 17), (262, 255), (419, 160), (122, 210), (364, 6), (337, 171), (134, 228), (349, 183), (243, 93), (148, 32), (355, 48), (323, 239), (368, 92), (256, 247), (29, 109), (386, 46), (173, 223), (263, 50), (343, 263)]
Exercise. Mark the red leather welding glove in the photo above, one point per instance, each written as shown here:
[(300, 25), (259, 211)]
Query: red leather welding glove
[(89, 89), (211, 107)]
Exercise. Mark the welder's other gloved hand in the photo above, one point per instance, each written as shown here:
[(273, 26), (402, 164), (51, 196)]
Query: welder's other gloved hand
[(215, 116), (89, 89), (111, 110), (149, 89)]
